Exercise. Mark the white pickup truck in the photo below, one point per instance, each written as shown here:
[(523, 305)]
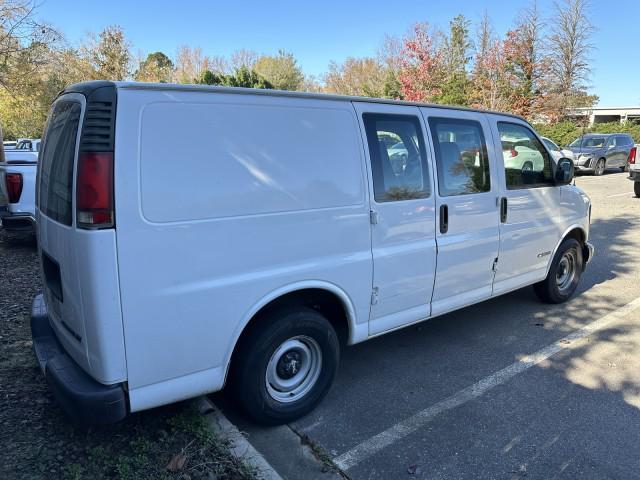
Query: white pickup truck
[(17, 190)]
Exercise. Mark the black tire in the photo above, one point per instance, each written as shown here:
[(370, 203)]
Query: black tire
[(551, 290), (600, 167), (263, 343), (636, 189)]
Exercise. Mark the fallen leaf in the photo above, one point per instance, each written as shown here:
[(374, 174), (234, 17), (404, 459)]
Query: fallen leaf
[(176, 463)]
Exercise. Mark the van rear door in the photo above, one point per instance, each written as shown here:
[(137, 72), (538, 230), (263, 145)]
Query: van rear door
[(79, 265)]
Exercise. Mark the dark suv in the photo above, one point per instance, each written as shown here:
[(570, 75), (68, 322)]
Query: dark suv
[(595, 152)]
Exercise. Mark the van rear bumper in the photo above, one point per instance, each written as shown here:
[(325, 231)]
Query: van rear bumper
[(81, 397)]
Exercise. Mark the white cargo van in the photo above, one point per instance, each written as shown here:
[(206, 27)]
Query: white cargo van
[(288, 225)]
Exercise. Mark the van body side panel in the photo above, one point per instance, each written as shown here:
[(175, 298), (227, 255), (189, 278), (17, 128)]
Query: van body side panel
[(221, 200)]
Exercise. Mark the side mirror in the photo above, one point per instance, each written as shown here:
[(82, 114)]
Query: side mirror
[(564, 171)]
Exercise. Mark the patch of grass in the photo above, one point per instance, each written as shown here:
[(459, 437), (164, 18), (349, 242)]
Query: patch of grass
[(173, 445)]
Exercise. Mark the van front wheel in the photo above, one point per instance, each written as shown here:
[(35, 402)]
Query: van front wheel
[(285, 365), (564, 274)]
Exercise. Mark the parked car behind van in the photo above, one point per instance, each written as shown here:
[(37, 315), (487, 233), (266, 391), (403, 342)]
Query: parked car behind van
[(596, 152), (173, 269), (556, 152)]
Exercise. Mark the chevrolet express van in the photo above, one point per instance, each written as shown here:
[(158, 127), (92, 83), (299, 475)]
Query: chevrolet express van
[(288, 226)]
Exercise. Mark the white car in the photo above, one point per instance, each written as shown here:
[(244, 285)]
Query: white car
[(17, 190), (556, 152), (172, 269)]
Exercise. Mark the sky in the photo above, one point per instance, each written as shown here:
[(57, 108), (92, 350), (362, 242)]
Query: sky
[(317, 32)]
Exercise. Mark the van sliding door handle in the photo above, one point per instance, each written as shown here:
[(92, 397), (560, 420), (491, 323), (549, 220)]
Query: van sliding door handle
[(503, 210), (444, 218)]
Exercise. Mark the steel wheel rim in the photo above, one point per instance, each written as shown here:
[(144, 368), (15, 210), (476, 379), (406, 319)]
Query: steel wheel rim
[(600, 167), (566, 271), (293, 369)]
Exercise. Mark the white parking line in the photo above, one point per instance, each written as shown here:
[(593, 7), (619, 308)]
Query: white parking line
[(620, 194), (404, 428)]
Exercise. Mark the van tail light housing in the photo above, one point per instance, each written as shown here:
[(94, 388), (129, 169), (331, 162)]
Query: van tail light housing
[(632, 156), (13, 182), (94, 190)]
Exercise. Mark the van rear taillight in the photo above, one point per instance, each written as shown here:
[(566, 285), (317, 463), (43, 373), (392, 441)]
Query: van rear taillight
[(14, 186), (94, 190), (632, 156)]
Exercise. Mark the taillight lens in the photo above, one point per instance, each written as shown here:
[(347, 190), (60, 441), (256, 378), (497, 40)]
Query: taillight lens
[(14, 186), (94, 190), (632, 156), (512, 152)]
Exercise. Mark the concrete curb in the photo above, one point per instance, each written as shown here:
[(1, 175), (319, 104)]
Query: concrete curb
[(240, 446)]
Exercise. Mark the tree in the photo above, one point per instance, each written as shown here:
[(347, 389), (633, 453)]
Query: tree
[(456, 48), (356, 76), (282, 71), (570, 48), (24, 41), (243, 77), (526, 63), (422, 71), (157, 67), (243, 58), (191, 64), (389, 56), (487, 76), (109, 54)]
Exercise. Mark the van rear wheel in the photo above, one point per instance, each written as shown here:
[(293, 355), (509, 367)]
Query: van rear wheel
[(285, 365), (636, 189), (564, 274)]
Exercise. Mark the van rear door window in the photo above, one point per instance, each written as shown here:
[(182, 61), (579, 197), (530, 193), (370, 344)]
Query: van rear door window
[(56, 164)]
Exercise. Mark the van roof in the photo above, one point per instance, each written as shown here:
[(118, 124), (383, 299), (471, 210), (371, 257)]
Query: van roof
[(87, 87)]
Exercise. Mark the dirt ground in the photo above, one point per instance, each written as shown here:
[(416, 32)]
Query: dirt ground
[(38, 441)]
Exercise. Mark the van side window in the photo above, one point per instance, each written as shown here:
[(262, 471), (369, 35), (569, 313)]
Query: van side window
[(398, 158), (461, 156), (527, 163)]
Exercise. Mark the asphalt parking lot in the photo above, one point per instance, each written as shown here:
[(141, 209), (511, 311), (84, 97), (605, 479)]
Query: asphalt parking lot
[(510, 388)]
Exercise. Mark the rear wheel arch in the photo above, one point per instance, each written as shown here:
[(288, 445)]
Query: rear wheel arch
[(327, 299)]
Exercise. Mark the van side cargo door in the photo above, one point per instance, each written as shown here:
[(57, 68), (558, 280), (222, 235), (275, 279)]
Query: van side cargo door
[(467, 234), (403, 213)]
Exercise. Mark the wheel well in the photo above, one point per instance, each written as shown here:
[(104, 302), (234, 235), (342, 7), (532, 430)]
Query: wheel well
[(576, 233), (323, 301)]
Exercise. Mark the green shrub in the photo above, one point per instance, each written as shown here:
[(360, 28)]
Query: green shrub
[(563, 133)]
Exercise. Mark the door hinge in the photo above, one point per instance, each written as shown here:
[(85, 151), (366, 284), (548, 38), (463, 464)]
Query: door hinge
[(374, 296), (373, 217), (494, 267)]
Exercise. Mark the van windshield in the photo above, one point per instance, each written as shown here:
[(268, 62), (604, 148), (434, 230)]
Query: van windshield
[(56, 168)]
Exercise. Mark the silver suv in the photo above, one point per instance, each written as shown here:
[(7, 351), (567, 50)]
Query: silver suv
[(595, 152)]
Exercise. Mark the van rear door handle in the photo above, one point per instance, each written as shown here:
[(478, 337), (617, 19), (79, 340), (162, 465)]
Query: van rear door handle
[(503, 210), (444, 218)]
